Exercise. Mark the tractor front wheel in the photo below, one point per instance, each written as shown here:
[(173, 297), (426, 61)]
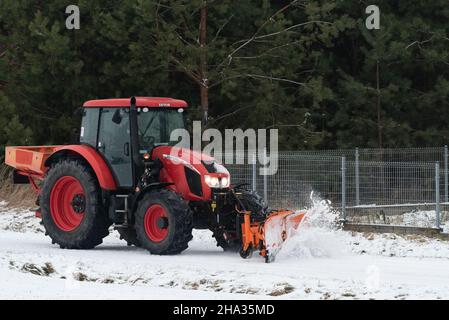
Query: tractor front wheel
[(71, 206), (163, 223)]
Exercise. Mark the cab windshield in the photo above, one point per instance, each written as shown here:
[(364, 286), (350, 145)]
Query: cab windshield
[(157, 124)]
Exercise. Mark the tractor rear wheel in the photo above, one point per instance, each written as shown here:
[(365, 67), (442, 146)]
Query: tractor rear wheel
[(71, 206), (163, 222)]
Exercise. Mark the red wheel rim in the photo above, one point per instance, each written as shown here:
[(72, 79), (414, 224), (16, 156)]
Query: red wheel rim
[(67, 203), (156, 223)]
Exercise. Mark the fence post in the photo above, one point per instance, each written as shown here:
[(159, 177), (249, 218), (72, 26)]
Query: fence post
[(343, 187), (446, 177), (437, 194), (357, 178), (254, 165), (265, 191)]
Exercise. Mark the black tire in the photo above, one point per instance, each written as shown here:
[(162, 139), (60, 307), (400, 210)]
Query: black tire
[(253, 202), (179, 222), (94, 225), (228, 245), (129, 235)]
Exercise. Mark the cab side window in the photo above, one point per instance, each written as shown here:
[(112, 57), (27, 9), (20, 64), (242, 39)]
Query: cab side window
[(89, 126), (114, 143)]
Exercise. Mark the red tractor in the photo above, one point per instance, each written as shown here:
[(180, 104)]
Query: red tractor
[(126, 172)]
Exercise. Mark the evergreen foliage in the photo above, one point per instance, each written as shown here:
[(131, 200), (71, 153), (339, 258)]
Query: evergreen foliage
[(309, 68)]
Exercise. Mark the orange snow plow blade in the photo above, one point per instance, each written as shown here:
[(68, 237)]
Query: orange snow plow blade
[(269, 235)]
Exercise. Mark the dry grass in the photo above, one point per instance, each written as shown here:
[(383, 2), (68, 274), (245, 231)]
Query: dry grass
[(18, 196)]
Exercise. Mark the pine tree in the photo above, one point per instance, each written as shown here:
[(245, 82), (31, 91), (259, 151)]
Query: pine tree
[(309, 68)]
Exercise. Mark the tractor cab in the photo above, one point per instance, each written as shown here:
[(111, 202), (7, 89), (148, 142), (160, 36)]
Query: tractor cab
[(107, 127)]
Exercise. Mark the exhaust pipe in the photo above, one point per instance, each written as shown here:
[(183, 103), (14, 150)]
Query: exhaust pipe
[(137, 161)]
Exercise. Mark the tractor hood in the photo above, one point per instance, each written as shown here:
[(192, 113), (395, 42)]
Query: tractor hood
[(192, 173)]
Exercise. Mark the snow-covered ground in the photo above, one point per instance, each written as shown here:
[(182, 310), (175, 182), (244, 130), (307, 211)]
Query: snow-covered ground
[(318, 262), (425, 219), (411, 216)]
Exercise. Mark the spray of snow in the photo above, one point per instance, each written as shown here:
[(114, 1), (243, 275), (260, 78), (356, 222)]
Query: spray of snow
[(321, 236), (318, 236)]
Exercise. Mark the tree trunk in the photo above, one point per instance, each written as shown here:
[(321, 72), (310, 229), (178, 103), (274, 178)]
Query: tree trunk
[(204, 86), (3, 82), (378, 106)]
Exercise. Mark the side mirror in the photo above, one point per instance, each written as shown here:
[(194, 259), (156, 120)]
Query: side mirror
[(117, 117)]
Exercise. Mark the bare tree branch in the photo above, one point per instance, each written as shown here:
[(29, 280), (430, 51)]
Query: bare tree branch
[(286, 30), (217, 83), (221, 117), (268, 51), (256, 76), (221, 28), (254, 38), (419, 43), (190, 73), (300, 126), (275, 79), (2, 50), (182, 39), (261, 28), (159, 4)]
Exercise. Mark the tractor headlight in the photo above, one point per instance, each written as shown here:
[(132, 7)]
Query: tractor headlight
[(212, 182), (215, 182), (224, 182)]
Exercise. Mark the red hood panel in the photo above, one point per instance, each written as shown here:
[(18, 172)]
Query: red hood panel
[(175, 160)]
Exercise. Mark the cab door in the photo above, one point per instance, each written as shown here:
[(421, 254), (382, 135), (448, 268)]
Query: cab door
[(115, 145)]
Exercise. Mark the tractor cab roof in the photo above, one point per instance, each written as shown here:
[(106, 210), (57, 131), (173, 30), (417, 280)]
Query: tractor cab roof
[(151, 102)]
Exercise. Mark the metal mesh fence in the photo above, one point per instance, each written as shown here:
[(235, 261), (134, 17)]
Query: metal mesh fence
[(240, 173), (297, 177), (402, 155), (372, 177), (388, 183), (388, 155)]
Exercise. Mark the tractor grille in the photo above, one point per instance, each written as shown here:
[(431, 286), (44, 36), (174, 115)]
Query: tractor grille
[(194, 182)]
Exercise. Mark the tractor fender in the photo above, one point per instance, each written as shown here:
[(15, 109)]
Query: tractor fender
[(93, 158)]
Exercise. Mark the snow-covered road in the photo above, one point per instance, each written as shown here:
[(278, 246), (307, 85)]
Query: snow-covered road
[(318, 263)]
